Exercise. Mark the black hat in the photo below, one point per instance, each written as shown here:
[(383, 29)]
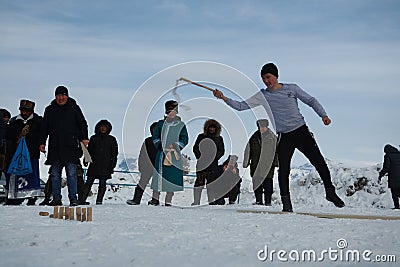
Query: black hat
[(270, 68), (262, 123), (26, 105), (171, 105), (61, 90)]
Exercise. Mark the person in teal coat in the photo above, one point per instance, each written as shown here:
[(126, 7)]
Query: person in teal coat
[(169, 137)]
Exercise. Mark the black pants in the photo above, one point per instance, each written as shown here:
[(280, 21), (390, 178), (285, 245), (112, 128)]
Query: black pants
[(303, 140), (395, 196), (266, 188)]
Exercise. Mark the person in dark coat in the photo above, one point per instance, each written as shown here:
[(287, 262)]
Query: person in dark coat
[(103, 149), (26, 124), (5, 116), (261, 155), (170, 137), (147, 156), (65, 126), (391, 166), (226, 184), (208, 149)]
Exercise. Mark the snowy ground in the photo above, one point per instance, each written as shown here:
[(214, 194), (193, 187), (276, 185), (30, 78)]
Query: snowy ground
[(122, 235)]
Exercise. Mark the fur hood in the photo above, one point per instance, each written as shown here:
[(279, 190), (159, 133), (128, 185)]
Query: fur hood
[(210, 122), (390, 149), (103, 122)]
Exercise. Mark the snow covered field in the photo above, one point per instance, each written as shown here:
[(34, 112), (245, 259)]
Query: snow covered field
[(122, 235)]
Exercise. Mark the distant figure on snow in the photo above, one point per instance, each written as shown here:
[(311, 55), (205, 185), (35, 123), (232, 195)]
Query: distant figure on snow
[(147, 156), (260, 154), (391, 166), (170, 137), (103, 149)]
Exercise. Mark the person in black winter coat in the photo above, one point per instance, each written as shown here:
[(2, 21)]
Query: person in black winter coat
[(5, 116), (26, 124), (103, 149), (65, 126), (208, 149), (146, 161), (391, 166)]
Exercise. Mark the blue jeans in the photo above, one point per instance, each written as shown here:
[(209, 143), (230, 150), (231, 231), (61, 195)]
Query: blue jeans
[(70, 169)]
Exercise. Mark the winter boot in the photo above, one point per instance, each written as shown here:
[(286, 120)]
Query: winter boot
[(197, 196), (137, 197), (267, 200), (100, 195), (31, 201), (168, 198), (287, 204), (334, 198), (258, 195), (45, 201), (154, 202), (55, 202)]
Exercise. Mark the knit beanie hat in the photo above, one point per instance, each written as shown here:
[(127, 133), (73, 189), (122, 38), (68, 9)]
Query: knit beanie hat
[(171, 105), (270, 68), (61, 90)]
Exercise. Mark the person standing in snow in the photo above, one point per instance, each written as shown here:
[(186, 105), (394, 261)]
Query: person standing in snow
[(225, 183), (261, 145), (147, 156), (208, 149), (27, 124), (103, 149), (65, 126), (292, 129), (391, 166), (170, 137), (5, 116)]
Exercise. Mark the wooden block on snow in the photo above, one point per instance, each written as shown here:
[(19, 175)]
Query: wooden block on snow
[(61, 213), (78, 214), (83, 214), (55, 212), (89, 214)]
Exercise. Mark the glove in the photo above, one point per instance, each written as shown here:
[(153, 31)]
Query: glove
[(379, 179)]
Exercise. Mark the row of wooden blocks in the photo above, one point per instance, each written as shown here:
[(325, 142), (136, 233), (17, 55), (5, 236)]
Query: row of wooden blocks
[(67, 213)]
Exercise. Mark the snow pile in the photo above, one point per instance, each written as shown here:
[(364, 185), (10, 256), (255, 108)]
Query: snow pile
[(357, 186)]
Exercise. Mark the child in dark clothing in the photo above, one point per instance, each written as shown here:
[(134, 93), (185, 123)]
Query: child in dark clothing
[(103, 149)]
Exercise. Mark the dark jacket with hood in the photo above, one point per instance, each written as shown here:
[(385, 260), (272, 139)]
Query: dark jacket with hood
[(206, 154), (66, 127), (103, 149), (391, 166), (32, 137)]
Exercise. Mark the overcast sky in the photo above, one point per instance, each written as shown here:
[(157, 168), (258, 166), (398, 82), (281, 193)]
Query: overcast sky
[(345, 53)]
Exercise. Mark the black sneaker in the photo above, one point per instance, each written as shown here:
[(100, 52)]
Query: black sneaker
[(132, 202), (334, 198), (153, 202), (55, 202), (74, 203), (99, 203)]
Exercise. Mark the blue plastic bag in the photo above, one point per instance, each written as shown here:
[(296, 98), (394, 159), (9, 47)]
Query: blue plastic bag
[(21, 161)]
